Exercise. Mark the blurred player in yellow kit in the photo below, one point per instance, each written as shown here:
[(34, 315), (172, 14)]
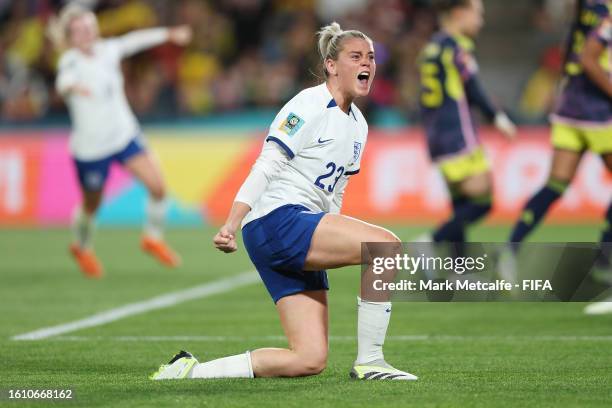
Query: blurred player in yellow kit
[(582, 121), (583, 117), (450, 87)]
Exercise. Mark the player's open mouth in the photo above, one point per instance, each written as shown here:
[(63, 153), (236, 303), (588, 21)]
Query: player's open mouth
[(363, 78)]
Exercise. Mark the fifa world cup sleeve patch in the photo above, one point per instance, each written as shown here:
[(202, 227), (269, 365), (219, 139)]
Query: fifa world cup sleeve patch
[(291, 125), (356, 151)]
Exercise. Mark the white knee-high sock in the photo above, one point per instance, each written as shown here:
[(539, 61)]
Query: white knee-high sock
[(82, 228), (372, 322), (238, 366), (156, 215)]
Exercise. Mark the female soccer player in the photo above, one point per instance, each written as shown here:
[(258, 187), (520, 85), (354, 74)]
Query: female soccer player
[(289, 211), (104, 127), (583, 117), (449, 88)]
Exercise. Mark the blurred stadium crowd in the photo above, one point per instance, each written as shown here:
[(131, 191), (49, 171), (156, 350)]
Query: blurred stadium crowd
[(258, 53)]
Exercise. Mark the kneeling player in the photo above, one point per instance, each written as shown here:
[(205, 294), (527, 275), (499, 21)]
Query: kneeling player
[(289, 210)]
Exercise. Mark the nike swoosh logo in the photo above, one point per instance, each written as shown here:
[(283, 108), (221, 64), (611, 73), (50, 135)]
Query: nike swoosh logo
[(324, 141)]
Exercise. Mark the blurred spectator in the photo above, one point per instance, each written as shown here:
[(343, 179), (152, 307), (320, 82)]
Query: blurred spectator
[(25, 95), (552, 15), (333, 10), (126, 16), (539, 94), (245, 53), (197, 71), (202, 62), (406, 52)]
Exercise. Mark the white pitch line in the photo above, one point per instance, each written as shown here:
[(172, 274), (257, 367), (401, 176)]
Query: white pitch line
[(398, 338), (599, 308), (215, 338), (132, 309)]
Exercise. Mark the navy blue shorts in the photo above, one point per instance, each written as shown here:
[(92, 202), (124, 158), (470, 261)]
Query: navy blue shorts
[(93, 174), (278, 244)]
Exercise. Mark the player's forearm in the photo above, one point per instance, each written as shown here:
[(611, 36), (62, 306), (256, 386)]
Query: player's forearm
[(477, 96), (592, 68), (256, 183), (237, 213), (264, 170), (65, 83), (65, 90), (141, 40)]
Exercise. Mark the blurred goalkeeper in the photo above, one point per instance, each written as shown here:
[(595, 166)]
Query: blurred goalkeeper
[(104, 129)]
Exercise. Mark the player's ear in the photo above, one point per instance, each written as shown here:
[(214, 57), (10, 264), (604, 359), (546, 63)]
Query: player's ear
[(330, 66)]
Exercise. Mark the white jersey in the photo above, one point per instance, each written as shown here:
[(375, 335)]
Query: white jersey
[(323, 143), (102, 122)]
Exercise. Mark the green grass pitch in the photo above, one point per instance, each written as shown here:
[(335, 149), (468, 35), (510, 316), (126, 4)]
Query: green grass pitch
[(469, 354)]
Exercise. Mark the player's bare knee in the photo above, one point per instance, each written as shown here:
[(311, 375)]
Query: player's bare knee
[(394, 243), (392, 246), (477, 187), (315, 368), (90, 209), (562, 171), (390, 237), (310, 359), (91, 203), (561, 175), (476, 192), (157, 192), (312, 364)]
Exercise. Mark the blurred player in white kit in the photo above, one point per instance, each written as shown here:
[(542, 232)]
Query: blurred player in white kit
[(104, 128)]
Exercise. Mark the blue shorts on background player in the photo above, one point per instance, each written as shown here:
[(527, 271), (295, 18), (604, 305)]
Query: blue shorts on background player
[(93, 174)]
